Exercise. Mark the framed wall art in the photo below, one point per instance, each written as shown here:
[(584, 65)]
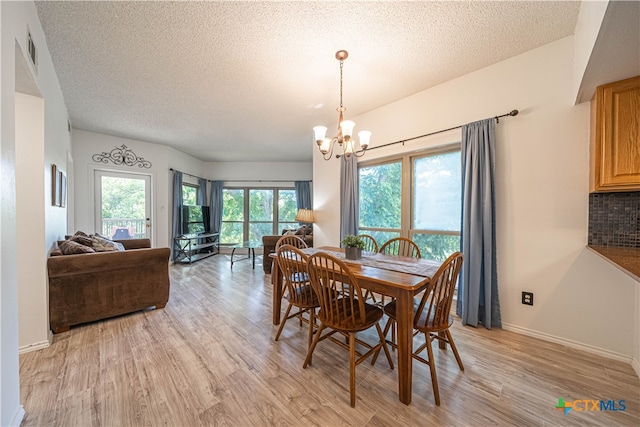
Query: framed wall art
[(58, 187), (55, 186)]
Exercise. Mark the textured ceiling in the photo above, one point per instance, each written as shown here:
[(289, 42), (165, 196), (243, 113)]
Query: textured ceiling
[(246, 81)]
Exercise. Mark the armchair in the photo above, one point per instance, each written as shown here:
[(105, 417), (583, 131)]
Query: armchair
[(269, 245)]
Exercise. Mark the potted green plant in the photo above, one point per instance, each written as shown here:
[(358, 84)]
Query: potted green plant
[(353, 246)]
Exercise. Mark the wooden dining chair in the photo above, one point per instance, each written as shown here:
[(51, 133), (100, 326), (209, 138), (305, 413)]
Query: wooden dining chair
[(370, 246), (432, 316), (300, 293), (370, 243), (400, 246), (344, 310), (293, 240)]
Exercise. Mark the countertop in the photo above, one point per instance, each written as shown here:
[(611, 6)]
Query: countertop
[(626, 259)]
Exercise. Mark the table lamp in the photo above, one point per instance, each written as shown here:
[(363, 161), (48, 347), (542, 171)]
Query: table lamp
[(305, 216)]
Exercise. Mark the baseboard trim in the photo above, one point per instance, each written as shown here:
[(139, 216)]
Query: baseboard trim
[(569, 343), (36, 346), (636, 366), (17, 416)]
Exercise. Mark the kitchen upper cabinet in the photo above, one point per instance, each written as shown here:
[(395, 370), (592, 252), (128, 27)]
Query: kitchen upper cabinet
[(615, 136)]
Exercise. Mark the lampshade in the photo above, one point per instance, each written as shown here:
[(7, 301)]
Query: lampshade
[(347, 127), (320, 132), (305, 215)]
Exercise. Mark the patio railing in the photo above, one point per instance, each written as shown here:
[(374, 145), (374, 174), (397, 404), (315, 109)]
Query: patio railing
[(119, 228)]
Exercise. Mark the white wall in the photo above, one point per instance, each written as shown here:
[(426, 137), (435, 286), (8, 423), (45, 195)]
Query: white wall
[(264, 172), (542, 194), (18, 274), (606, 33), (86, 144), (30, 205), (11, 412), (586, 34)]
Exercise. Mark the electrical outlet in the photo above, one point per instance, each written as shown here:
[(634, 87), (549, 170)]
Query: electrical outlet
[(527, 298)]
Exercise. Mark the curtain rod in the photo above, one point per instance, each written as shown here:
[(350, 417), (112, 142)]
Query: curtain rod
[(402, 141), (246, 180), (184, 173), (267, 180)]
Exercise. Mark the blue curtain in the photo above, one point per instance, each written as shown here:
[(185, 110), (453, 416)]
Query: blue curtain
[(303, 194), (176, 205), (478, 287), (201, 197), (348, 196), (216, 205)]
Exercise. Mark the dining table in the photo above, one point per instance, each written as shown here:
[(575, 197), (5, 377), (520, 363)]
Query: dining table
[(396, 276)]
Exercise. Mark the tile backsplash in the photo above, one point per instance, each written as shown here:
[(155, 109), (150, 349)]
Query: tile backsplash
[(614, 219)]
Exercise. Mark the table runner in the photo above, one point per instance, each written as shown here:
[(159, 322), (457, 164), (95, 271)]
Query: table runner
[(418, 267)]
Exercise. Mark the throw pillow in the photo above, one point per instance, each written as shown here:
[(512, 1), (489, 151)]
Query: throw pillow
[(102, 244), (290, 233), (83, 240), (301, 230), (69, 247)]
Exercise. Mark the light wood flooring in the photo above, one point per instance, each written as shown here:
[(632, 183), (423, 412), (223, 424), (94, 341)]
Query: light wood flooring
[(209, 358)]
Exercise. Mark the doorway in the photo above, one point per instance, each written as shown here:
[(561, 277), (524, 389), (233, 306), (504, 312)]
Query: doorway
[(123, 205)]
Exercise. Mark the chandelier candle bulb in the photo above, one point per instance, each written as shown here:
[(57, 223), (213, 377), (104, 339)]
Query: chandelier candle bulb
[(320, 132), (347, 128), (348, 147), (325, 145), (364, 136)]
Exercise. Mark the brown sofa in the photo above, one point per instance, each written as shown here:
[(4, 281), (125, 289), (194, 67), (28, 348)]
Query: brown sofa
[(94, 286), (269, 246)]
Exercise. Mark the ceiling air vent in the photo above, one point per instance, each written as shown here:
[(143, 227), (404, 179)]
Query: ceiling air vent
[(31, 47)]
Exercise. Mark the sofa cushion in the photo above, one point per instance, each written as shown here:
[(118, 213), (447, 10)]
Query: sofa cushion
[(69, 247)]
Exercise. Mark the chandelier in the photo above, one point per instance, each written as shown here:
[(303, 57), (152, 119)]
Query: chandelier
[(345, 128)]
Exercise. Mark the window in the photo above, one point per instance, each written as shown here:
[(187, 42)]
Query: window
[(381, 200), (437, 204), (232, 216), (416, 196), (260, 213), (287, 210), (250, 213), (189, 194)]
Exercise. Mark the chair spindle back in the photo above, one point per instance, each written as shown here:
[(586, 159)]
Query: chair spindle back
[(433, 311), (293, 264), (293, 240), (339, 293), (401, 246), (370, 243)]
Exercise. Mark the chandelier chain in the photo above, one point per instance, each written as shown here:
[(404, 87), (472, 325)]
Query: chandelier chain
[(341, 65)]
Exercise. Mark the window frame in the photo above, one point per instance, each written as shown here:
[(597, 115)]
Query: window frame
[(246, 222), (407, 207)]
